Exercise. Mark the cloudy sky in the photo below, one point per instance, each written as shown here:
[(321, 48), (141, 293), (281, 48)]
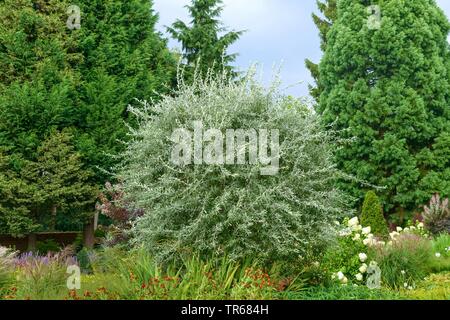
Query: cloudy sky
[(279, 32)]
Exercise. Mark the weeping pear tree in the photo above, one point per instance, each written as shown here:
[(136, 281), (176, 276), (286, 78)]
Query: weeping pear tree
[(231, 207), (387, 84)]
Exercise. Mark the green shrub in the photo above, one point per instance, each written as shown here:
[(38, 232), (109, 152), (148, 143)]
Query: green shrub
[(372, 215), (405, 261), (343, 256), (441, 245), (84, 260), (232, 209), (441, 254), (433, 287)]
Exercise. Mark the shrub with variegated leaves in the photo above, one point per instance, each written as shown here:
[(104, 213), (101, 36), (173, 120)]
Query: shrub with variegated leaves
[(232, 209)]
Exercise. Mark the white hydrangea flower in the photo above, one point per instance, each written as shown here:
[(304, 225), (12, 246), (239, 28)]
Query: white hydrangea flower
[(363, 268), (438, 255), (353, 222), (420, 225), (362, 257), (399, 229), (394, 235), (366, 242), (366, 230), (340, 276), (357, 237), (359, 277), (345, 280)]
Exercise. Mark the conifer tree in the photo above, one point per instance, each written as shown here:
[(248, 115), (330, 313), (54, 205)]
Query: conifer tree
[(372, 215), (124, 59), (54, 78), (61, 178), (205, 41), (389, 88), (37, 82), (328, 9), (16, 200)]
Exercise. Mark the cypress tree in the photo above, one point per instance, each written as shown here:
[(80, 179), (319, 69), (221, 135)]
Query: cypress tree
[(205, 41), (53, 78), (372, 215), (124, 59), (62, 180)]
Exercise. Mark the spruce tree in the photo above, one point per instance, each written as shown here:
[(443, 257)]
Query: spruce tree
[(205, 41), (389, 88)]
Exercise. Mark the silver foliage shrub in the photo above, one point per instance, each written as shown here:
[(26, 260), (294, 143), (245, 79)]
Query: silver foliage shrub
[(232, 209)]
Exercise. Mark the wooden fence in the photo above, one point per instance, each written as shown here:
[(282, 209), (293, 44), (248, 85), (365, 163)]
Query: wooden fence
[(23, 244)]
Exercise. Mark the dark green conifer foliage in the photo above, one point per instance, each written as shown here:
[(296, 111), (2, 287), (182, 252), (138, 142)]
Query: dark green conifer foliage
[(52, 78), (328, 9), (372, 215), (16, 200), (204, 40), (61, 179), (37, 83), (390, 88), (124, 58)]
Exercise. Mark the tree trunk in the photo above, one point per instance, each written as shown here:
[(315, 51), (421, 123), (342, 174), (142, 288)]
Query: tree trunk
[(54, 211), (31, 242), (402, 215), (88, 234)]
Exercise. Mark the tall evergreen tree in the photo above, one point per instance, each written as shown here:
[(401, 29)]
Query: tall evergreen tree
[(31, 197), (124, 58), (61, 179), (53, 78), (390, 89), (17, 197), (328, 9), (204, 40), (37, 82)]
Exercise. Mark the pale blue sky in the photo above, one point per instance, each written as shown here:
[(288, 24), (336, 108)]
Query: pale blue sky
[(279, 32)]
